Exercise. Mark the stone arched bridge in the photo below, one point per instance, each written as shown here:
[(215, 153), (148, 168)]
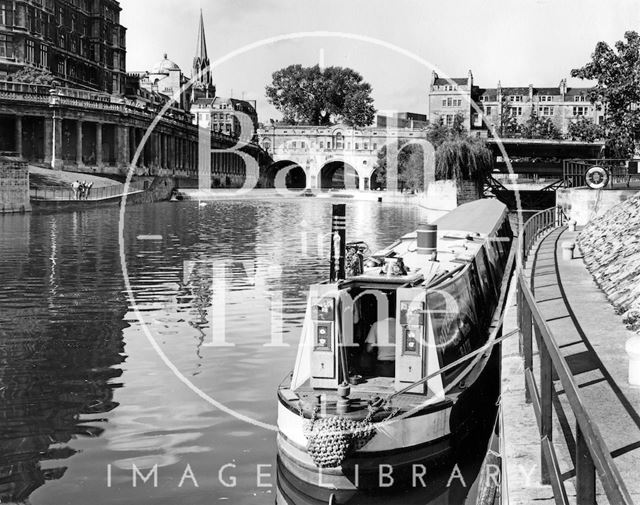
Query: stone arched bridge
[(324, 157)]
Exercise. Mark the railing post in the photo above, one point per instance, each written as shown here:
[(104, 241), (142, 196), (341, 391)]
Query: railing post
[(585, 471), (527, 342), (546, 405)]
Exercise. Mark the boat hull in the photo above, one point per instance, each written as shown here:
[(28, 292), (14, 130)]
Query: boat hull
[(470, 414)]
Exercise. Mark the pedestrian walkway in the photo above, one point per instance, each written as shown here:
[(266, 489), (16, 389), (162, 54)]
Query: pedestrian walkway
[(592, 338)]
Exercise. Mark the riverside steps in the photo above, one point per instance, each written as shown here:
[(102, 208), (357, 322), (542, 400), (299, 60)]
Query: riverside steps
[(570, 420)]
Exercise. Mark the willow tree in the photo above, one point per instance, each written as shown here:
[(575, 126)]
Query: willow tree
[(464, 159)]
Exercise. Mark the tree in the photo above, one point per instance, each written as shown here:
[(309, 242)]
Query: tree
[(585, 130), (617, 73), (458, 156), (321, 96), (31, 75), (537, 127), (463, 158)]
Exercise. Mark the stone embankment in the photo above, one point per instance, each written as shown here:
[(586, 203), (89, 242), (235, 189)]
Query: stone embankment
[(610, 245)]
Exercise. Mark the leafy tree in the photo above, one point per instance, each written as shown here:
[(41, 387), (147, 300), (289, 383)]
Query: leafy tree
[(617, 72), (537, 127), (410, 165), (585, 129), (321, 96), (32, 75), (463, 158), (458, 156)]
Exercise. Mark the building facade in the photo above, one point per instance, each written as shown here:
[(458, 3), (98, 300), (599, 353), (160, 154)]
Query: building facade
[(80, 41), (229, 116), (486, 109), (165, 80)]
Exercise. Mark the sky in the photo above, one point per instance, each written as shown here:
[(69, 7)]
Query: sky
[(515, 41)]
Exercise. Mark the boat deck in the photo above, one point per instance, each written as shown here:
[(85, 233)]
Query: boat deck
[(360, 396)]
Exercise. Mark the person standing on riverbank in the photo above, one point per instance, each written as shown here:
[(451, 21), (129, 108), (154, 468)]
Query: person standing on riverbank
[(76, 189)]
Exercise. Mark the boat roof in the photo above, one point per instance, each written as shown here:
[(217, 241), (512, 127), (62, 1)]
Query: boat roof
[(480, 216), (461, 234)]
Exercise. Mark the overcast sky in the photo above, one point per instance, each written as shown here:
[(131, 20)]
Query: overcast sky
[(515, 41)]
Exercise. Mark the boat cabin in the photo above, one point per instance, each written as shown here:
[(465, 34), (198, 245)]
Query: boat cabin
[(414, 307)]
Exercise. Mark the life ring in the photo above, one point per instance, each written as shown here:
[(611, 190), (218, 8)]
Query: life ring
[(597, 177)]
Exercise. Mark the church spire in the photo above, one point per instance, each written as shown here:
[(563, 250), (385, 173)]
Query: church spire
[(202, 78), (201, 48)]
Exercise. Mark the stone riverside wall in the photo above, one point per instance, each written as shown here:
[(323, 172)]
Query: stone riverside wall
[(610, 245), (14, 186), (584, 204)]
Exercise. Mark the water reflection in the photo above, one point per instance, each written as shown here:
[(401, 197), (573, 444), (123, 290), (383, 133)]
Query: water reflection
[(83, 391), (57, 373)]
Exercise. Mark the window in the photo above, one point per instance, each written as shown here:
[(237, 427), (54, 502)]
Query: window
[(339, 141), (31, 51), (375, 146), (44, 55), (546, 111), (366, 146), (545, 98), (580, 111), (328, 144), (6, 13), (6, 46), (516, 98), (321, 145), (294, 144), (357, 146), (487, 110), (580, 98), (449, 120), (449, 102), (515, 111), (444, 102)]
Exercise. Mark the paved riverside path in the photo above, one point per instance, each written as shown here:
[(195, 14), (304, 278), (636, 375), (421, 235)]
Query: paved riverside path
[(592, 338)]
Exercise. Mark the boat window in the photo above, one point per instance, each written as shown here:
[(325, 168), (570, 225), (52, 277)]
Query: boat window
[(454, 318), (488, 286)]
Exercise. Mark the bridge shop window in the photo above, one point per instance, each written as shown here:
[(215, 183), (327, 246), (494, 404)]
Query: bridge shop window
[(339, 141)]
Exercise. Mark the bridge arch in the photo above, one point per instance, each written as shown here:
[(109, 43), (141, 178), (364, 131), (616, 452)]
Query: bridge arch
[(338, 174), (293, 174)]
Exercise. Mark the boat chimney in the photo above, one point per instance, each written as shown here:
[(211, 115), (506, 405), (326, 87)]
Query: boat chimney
[(338, 239), (428, 240)]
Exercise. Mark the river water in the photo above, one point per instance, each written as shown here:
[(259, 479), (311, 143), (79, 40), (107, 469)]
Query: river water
[(101, 371)]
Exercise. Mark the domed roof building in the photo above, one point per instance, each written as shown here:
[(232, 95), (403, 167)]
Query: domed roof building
[(165, 79)]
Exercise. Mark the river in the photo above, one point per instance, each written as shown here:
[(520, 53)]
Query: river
[(100, 371)]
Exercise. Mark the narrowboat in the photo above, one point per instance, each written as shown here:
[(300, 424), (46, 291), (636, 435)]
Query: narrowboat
[(396, 358)]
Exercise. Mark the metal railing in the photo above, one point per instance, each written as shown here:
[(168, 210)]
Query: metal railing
[(573, 171), (591, 452), (535, 226), (67, 194)]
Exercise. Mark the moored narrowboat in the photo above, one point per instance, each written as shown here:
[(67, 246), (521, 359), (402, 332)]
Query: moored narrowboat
[(394, 361)]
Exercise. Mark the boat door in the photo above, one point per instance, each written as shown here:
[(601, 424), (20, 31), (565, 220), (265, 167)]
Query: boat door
[(325, 329), (416, 355)]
